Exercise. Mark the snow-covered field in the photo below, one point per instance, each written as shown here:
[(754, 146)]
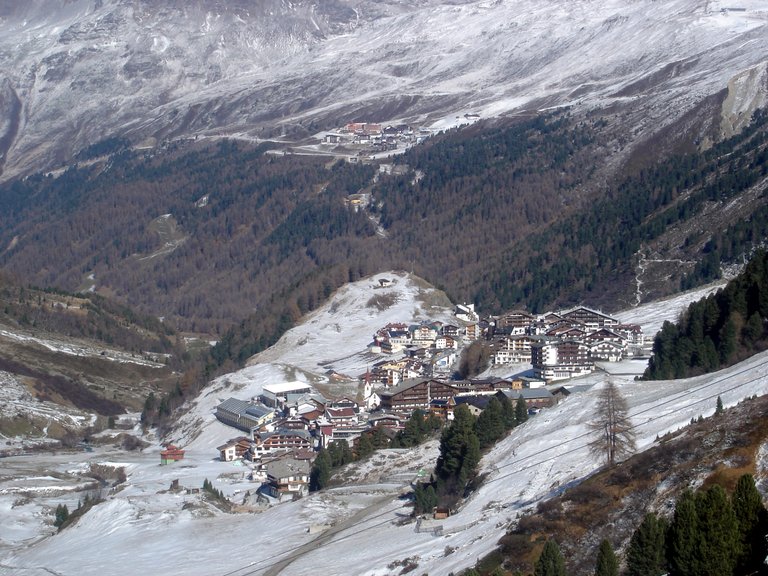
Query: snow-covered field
[(359, 529)]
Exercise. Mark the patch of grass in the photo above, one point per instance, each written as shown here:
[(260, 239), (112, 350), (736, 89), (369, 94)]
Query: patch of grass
[(382, 301)]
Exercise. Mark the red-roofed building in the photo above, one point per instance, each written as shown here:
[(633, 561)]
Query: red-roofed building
[(171, 454)]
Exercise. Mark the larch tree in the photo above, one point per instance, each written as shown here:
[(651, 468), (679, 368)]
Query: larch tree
[(614, 437)]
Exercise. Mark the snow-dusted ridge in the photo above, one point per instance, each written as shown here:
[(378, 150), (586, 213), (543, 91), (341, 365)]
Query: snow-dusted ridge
[(351, 531), (158, 69)]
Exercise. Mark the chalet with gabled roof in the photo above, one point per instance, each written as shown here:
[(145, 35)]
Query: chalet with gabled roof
[(632, 332), (592, 319), (606, 350), (234, 449), (287, 478), (341, 416), (514, 349), (415, 394), (446, 343), (290, 440), (514, 322), (449, 330), (171, 454)]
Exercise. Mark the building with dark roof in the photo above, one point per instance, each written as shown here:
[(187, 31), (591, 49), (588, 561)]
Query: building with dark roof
[(244, 415)]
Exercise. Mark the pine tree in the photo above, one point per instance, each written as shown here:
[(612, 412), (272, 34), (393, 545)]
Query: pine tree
[(752, 521), (607, 564), (62, 515), (550, 562), (614, 435), (321, 471), (719, 406), (490, 424), (521, 410), (717, 532), (683, 538), (646, 551)]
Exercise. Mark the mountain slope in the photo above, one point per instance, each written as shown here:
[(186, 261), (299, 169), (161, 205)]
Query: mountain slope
[(154, 70), (70, 361), (370, 532)]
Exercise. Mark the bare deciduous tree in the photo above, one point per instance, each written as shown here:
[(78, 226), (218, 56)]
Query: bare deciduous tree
[(614, 437)]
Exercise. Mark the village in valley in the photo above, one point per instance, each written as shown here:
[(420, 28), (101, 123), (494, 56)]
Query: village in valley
[(415, 369)]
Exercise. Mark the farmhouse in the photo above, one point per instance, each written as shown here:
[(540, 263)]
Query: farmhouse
[(412, 395), (287, 478)]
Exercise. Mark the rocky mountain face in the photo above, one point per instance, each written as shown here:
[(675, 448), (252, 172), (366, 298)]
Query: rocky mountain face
[(74, 72)]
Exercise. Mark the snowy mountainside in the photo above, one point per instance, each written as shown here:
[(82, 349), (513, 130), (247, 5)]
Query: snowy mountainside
[(361, 529), (333, 337), (152, 70)]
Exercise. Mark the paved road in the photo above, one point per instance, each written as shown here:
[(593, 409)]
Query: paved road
[(329, 534)]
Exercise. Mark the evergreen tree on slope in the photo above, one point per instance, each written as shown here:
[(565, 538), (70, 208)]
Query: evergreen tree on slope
[(550, 562), (607, 564), (646, 551)]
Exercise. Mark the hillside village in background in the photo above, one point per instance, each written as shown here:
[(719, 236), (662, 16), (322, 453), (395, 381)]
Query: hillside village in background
[(289, 422)]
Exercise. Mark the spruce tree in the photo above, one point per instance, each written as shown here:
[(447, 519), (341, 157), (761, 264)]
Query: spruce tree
[(752, 522), (490, 424), (321, 471), (646, 551), (717, 532), (607, 564), (683, 538), (521, 410), (453, 442), (719, 406), (364, 446), (61, 516), (550, 562), (508, 412)]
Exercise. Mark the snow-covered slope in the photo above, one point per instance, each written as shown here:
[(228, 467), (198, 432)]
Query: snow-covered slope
[(334, 337), (74, 72), (145, 528)]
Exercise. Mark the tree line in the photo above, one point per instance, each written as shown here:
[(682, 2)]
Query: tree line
[(717, 331)]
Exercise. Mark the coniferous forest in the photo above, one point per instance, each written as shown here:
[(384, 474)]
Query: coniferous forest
[(238, 240), (718, 331)]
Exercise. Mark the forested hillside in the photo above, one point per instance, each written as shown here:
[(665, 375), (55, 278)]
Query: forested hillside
[(718, 331), (238, 240), (613, 505)]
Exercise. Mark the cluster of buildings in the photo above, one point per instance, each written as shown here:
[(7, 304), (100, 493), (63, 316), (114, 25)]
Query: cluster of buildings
[(376, 138), (288, 423), (422, 350), (563, 345), (285, 426)]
